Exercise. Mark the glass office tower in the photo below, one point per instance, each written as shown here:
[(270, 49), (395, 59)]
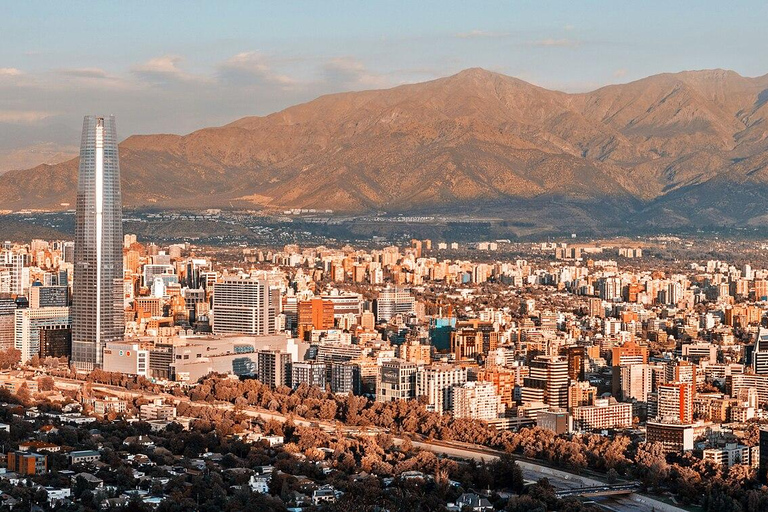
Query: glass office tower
[(97, 290)]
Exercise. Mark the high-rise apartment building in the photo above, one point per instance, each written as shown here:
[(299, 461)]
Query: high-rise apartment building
[(760, 352), (30, 322), (274, 367), (675, 402), (435, 382), (604, 414), (97, 292), (310, 373), (18, 274), (476, 400), (504, 381), (636, 382), (7, 322), (243, 306), (626, 354)]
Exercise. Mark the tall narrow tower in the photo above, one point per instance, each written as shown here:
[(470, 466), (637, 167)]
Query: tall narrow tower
[(97, 296)]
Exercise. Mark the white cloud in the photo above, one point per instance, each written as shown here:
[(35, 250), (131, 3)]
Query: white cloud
[(349, 73), (10, 72), (620, 73), (252, 68), (166, 69)]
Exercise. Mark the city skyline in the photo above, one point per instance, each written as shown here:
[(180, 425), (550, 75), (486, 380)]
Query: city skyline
[(514, 266)]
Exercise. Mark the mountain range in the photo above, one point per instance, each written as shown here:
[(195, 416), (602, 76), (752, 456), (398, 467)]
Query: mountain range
[(678, 149)]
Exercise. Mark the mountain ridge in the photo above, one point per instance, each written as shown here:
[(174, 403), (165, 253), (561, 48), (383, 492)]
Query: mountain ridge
[(471, 137)]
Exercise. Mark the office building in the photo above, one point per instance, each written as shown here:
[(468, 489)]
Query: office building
[(128, 358), (760, 352), (148, 307), (56, 342), (345, 304), (243, 306), (154, 270), (26, 463), (48, 296), (336, 352), (605, 414), (697, 352), (97, 292), (392, 302), (7, 322), (396, 381), (315, 314), (194, 298), (343, 377), (576, 359), (674, 437), (763, 455), (557, 421)]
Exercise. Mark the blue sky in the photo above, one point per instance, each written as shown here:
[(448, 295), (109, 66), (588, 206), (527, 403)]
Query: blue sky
[(178, 66)]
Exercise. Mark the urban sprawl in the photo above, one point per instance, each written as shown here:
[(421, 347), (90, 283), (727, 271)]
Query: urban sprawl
[(432, 376)]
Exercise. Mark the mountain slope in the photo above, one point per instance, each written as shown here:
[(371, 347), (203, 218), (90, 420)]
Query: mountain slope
[(471, 138)]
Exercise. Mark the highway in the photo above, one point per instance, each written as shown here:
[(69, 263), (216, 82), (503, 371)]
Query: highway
[(560, 480)]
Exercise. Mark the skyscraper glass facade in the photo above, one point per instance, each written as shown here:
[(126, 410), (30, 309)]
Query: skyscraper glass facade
[(97, 300)]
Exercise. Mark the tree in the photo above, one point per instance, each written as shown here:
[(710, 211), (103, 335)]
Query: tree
[(525, 504), (23, 393), (507, 474), (45, 383), (651, 463), (9, 358)]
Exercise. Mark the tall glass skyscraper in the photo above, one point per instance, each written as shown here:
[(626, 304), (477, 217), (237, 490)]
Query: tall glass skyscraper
[(97, 290)]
